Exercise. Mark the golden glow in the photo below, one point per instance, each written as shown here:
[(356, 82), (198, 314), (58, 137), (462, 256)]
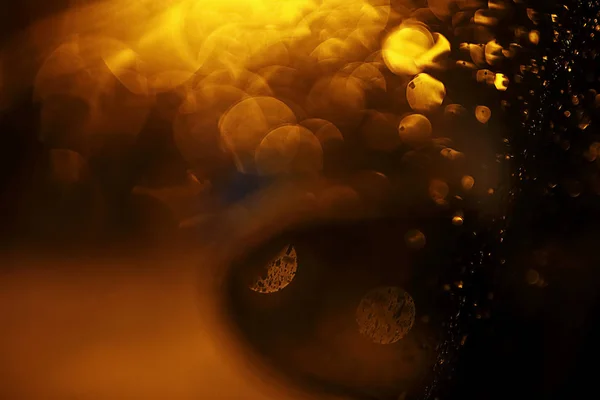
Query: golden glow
[(403, 46), (246, 124), (483, 114), (534, 37), (425, 93), (289, 149), (67, 166), (467, 182), (415, 130), (501, 82)]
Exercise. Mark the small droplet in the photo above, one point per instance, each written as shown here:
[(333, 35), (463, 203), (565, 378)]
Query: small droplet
[(415, 239), (457, 220), (438, 191), (467, 182), (532, 277), (483, 114)]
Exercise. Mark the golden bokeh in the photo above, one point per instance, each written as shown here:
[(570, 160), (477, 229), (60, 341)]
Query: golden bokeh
[(246, 124), (425, 93), (467, 182), (438, 191), (483, 114), (324, 130), (415, 130), (289, 149), (404, 46)]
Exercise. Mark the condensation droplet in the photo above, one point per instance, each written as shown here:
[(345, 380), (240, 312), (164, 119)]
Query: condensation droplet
[(467, 182), (483, 114), (415, 239), (438, 191), (425, 93), (385, 315), (457, 220), (281, 270)]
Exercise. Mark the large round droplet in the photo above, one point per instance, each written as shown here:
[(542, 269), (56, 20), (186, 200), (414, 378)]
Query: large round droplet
[(289, 149), (385, 315), (280, 272), (425, 93), (415, 130), (404, 46)]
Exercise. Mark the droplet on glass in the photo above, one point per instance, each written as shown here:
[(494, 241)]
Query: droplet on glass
[(534, 37), (415, 239), (451, 154), (458, 219), (425, 93), (385, 315), (404, 46), (575, 100), (501, 82), (485, 17), (415, 130), (467, 182), (493, 53), (454, 110), (591, 154), (485, 76), (476, 52), (438, 191), (483, 114), (280, 272)]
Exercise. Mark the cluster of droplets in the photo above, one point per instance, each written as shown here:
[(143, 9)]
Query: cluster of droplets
[(560, 121), (361, 92)]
